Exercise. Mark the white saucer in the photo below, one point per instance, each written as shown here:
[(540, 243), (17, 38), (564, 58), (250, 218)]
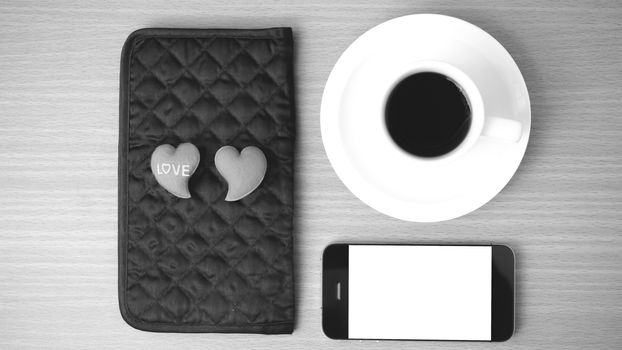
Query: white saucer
[(393, 182)]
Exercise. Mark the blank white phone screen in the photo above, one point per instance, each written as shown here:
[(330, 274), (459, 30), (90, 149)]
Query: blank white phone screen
[(419, 292)]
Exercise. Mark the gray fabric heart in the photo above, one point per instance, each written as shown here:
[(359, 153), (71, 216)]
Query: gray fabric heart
[(243, 171), (173, 168)]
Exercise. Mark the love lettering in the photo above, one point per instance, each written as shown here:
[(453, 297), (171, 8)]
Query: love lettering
[(175, 169)]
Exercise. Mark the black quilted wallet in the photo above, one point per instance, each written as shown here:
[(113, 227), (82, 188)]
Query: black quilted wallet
[(204, 264)]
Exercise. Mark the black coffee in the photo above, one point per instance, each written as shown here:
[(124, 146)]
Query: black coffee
[(427, 114)]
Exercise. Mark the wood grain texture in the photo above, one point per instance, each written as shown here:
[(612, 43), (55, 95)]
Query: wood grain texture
[(562, 212)]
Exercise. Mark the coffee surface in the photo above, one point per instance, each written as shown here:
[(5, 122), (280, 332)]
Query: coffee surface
[(427, 114)]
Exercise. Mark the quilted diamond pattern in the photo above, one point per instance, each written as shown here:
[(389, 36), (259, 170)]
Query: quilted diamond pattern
[(204, 264)]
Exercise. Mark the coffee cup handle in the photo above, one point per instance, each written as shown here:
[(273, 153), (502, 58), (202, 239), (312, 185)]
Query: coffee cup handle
[(502, 128)]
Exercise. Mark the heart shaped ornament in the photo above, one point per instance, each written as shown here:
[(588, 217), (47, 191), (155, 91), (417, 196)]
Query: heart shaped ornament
[(173, 167), (243, 171)]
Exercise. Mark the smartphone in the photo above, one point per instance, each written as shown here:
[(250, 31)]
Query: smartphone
[(418, 292)]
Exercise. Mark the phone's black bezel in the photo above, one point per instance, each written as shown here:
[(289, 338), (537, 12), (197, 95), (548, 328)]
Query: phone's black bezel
[(335, 270), (503, 267)]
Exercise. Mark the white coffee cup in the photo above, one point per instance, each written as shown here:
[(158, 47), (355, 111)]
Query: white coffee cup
[(482, 125)]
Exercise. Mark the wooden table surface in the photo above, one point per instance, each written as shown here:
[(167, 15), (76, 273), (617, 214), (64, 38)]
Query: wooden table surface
[(562, 212)]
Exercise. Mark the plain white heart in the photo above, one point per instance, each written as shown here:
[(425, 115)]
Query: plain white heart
[(243, 171), (172, 167)]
